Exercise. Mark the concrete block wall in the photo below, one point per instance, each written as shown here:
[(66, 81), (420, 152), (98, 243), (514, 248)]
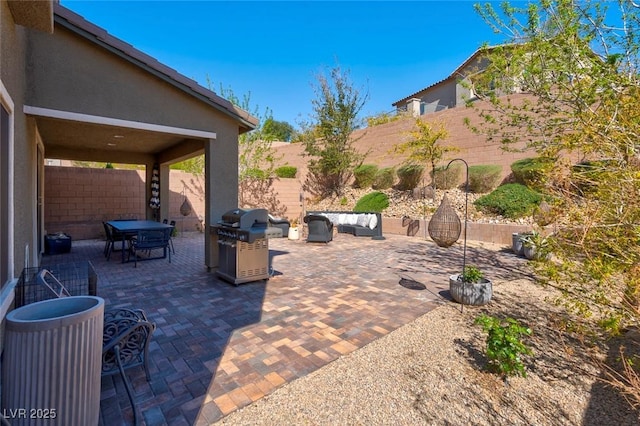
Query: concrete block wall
[(495, 233), (78, 200)]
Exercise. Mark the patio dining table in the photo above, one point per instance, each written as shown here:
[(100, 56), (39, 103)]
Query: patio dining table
[(129, 228)]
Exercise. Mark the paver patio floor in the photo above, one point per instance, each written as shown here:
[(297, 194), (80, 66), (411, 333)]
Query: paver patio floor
[(219, 347)]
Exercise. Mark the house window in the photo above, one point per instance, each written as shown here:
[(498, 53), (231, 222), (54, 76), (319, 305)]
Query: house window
[(4, 196)]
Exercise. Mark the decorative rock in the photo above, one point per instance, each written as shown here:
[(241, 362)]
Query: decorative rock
[(402, 203)]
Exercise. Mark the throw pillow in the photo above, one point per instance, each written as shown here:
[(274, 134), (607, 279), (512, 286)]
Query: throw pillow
[(373, 222), (363, 220)]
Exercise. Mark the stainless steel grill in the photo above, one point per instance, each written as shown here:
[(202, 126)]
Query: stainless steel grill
[(243, 249)]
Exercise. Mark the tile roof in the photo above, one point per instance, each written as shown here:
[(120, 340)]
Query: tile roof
[(454, 74)]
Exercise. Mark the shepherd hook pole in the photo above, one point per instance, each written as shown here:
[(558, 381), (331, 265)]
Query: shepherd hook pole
[(466, 197)]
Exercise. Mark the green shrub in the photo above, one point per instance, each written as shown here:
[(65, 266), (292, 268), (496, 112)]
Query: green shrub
[(256, 173), (409, 175), (531, 171), (504, 345), (472, 274), (286, 172), (384, 178), (484, 178), (372, 202), (511, 200), (365, 175), (446, 178)]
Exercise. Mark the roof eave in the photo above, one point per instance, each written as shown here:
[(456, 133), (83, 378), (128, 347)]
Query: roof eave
[(454, 74)]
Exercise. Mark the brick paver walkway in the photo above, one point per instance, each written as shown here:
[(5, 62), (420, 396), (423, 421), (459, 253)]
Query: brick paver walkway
[(219, 347)]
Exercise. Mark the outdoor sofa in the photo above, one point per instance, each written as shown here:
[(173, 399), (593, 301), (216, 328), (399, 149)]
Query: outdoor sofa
[(320, 228), (360, 224), (280, 223)]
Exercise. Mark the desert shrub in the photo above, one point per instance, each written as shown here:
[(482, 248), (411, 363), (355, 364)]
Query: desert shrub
[(256, 173), (511, 200), (505, 346), (530, 171), (382, 118), (444, 178), (484, 178), (365, 175), (286, 172), (409, 175), (384, 178), (587, 174), (372, 202)]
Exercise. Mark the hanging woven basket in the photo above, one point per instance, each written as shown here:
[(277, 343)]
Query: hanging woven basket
[(444, 226), (185, 208)]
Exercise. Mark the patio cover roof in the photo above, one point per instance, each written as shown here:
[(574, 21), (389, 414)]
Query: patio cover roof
[(97, 98)]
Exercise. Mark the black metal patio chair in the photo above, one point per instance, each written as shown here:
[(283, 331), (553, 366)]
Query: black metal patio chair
[(148, 240), (125, 344)]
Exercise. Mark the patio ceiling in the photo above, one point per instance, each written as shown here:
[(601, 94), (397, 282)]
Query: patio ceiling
[(100, 99)]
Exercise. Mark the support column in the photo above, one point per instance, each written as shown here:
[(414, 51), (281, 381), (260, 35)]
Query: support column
[(148, 173), (221, 185), (165, 193)]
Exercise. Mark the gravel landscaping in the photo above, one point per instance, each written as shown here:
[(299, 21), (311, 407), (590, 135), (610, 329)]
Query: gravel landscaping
[(406, 203), (431, 371)]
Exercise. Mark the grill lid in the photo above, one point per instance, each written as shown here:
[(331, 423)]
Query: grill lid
[(245, 218)]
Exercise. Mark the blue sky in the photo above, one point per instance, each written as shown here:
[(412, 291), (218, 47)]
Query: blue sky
[(274, 50)]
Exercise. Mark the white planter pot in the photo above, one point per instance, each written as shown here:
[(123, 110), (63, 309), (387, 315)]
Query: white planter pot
[(529, 252), (517, 243), (475, 294), (294, 233), (53, 359)]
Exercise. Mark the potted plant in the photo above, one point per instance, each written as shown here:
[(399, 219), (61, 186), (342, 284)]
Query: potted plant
[(518, 242), (470, 287), (535, 246), (294, 233)]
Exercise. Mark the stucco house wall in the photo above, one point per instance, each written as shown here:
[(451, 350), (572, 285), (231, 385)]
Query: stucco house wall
[(140, 96), (439, 97), (66, 84), (453, 91), (19, 163)]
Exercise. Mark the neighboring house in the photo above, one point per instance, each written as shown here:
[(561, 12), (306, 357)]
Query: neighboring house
[(71, 91), (451, 92)]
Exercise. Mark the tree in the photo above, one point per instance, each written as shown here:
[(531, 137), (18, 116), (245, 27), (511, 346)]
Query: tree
[(256, 160), (577, 66), (273, 130), (330, 145), (423, 145), (194, 165)]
